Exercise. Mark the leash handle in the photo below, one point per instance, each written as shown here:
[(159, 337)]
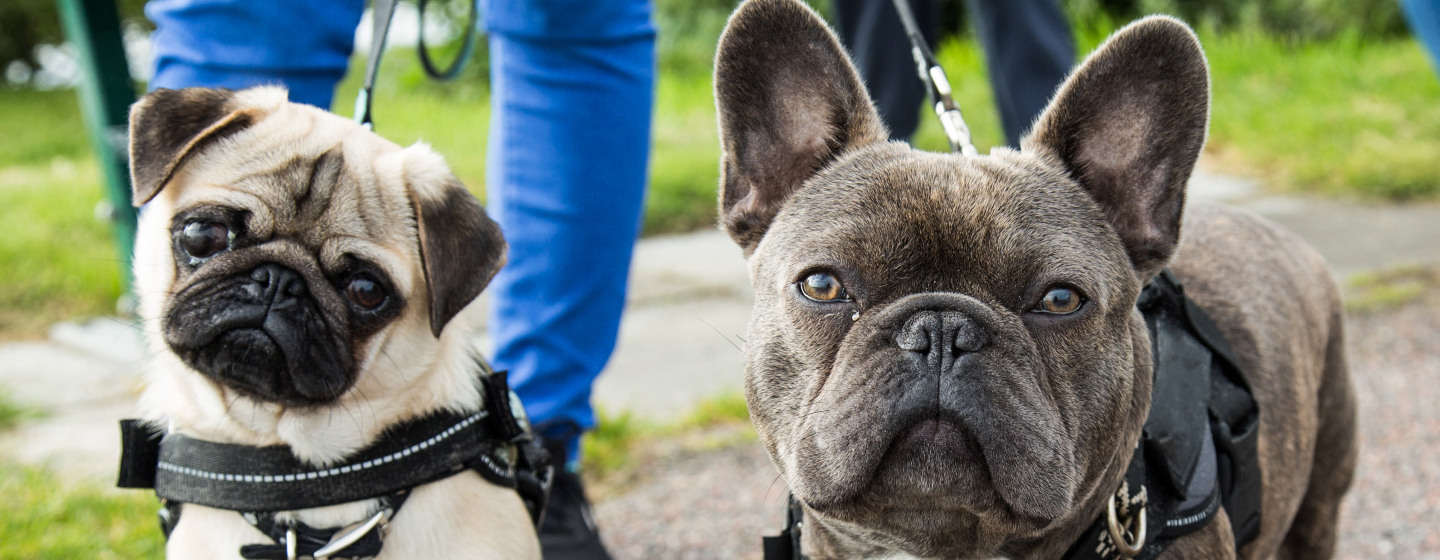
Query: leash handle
[(467, 46), (383, 11), (936, 82)]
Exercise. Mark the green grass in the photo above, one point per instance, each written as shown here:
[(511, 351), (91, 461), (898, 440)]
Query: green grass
[(58, 260), (13, 413), (46, 517), (1391, 288), (1341, 117), (621, 441)]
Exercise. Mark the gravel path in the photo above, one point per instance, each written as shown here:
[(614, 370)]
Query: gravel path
[(717, 504)]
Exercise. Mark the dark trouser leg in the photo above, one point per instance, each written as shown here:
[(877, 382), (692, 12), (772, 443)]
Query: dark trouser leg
[(1029, 49), (871, 30)]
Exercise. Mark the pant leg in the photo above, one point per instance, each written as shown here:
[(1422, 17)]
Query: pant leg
[(1029, 50), (566, 172), (1424, 18), (304, 46), (872, 32)]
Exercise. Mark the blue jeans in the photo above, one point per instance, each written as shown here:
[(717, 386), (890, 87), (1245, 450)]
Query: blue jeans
[(572, 90), (1424, 18)]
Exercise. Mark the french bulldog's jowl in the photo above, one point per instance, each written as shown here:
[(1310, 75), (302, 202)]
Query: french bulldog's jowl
[(945, 358)]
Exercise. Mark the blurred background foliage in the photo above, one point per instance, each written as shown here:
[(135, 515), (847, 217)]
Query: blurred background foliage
[(27, 24), (690, 26)]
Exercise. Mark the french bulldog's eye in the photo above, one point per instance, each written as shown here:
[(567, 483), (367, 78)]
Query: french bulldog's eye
[(823, 288), (1060, 301), (202, 240), (366, 292)]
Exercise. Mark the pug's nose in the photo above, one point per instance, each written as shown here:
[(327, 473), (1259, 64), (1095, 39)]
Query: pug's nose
[(940, 333), (278, 282)]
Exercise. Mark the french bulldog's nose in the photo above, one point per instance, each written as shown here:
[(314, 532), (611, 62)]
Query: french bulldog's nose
[(278, 282), (940, 332)]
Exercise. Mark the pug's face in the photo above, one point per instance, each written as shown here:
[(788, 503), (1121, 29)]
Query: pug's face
[(286, 254)]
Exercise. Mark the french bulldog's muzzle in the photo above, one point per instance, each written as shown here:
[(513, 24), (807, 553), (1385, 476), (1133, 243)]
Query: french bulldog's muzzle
[(932, 396)]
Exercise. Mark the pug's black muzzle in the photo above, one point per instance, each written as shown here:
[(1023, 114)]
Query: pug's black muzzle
[(263, 334)]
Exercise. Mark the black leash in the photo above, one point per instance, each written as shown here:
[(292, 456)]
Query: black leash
[(933, 76), (383, 14), (467, 48)]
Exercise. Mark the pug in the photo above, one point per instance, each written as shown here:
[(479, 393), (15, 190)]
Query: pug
[(945, 358), (305, 283)]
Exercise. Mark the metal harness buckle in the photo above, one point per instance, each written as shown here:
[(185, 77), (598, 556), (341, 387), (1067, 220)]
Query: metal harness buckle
[(1127, 536)]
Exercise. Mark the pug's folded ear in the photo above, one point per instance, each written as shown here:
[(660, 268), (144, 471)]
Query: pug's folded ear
[(461, 248), (168, 125)]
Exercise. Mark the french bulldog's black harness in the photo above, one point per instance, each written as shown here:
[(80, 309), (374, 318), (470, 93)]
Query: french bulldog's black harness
[(1196, 454), (259, 482)]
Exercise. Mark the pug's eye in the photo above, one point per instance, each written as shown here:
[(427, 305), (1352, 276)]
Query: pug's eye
[(365, 291), (201, 240), (1060, 301), (823, 287)]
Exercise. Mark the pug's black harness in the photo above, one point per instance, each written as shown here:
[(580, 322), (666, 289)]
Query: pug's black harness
[(260, 482), (1196, 454)]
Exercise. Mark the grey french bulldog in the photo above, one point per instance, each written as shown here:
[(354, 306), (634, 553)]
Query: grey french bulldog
[(945, 358)]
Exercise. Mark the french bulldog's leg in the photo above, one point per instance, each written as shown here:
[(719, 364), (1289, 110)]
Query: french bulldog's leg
[(1313, 533)]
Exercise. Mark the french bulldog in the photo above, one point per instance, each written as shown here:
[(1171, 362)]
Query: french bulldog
[(945, 357), (304, 282)]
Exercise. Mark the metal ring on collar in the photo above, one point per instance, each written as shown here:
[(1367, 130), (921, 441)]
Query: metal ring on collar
[(1126, 548)]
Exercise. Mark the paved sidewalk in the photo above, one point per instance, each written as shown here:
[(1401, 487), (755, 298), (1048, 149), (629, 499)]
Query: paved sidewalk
[(680, 340)]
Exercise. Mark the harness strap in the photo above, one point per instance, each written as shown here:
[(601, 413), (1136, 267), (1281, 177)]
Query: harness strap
[(786, 545), (259, 481), (244, 478)]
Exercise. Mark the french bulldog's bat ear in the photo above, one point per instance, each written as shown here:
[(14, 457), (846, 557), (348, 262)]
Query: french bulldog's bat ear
[(789, 102), (168, 125), (1128, 125), (461, 248)]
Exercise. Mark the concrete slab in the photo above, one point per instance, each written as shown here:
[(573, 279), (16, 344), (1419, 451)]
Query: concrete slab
[(1352, 236), (670, 357)]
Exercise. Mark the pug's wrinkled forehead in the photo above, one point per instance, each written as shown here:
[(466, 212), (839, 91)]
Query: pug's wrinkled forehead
[(303, 174)]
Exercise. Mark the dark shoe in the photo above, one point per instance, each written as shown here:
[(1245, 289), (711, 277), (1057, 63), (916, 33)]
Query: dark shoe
[(568, 531)]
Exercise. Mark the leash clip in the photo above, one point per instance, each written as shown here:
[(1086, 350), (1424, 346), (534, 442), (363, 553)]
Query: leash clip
[(350, 534), (292, 551)]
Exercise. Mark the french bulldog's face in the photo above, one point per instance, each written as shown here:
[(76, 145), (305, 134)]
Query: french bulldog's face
[(286, 253), (945, 357)]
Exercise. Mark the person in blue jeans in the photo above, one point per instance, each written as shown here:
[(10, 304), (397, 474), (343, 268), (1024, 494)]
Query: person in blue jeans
[(572, 86), (1028, 48)]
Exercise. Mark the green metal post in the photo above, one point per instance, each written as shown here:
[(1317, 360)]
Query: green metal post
[(106, 92)]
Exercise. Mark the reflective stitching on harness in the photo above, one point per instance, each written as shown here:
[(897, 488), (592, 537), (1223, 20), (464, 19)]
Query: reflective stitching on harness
[(1203, 515), (437, 438)]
